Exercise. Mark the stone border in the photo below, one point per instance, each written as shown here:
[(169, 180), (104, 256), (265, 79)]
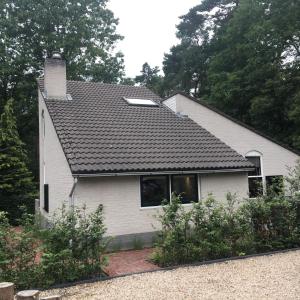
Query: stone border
[(196, 264)]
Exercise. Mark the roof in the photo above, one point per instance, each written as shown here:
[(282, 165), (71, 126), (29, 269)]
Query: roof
[(199, 101), (100, 133)]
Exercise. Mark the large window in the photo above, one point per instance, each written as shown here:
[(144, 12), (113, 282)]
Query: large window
[(186, 186), (255, 177), (154, 189)]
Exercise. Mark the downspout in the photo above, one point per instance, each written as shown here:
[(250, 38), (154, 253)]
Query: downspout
[(71, 195)]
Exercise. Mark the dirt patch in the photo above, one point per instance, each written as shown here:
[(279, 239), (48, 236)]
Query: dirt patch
[(131, 261)]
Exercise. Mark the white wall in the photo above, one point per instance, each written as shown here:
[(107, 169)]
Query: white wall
[(275, 158), (57, 172), (220, 184), (120, 197)]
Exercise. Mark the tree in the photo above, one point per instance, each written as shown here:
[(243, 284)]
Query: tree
[(16, 186), (84, 31), (151, 79), (254, 72), (243, 57)]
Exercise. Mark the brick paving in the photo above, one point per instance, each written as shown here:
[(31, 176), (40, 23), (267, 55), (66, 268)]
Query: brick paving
[(130, 261)]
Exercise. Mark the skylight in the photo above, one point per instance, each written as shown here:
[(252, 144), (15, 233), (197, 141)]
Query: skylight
[(140, 102)]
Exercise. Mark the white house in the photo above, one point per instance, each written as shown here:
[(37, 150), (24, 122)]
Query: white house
[(126, 148)]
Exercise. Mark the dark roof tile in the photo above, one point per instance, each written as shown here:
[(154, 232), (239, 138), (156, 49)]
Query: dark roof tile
[(101, 133)]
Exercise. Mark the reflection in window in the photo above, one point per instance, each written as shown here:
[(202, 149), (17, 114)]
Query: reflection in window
[(275, 184), (186, 186), (255, 187), (255, 178), (154, 189)]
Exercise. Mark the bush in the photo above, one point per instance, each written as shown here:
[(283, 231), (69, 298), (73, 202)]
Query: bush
[(74, 246), (210, 230), (71, 249), (18, 251)]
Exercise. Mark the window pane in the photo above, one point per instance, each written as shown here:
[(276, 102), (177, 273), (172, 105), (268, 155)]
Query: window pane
[(154, 189), (275, 184), (46, 197), (255, 187), (186, 186), (256, 162)]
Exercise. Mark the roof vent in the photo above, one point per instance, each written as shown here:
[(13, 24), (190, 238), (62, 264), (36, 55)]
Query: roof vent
[(56, 55), (181, 115), (69, 97), (140, 102)]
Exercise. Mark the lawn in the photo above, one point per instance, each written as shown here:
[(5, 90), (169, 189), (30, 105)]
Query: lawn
[(265, 277)]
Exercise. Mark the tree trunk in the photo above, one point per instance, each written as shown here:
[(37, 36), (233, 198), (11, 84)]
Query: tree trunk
[(7, 291)]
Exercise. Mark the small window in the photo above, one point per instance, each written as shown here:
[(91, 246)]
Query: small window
[(154, 189), (255, 187), (255, 178), (275, 184), (255, 160), (43, 124), (141, 102), (186, 186), (46, 197)]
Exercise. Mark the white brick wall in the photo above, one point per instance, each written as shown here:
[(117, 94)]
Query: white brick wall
[(57, 172), (121, 199), (220, 184)]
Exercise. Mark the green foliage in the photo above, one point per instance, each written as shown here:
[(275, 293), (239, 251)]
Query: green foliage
[(18, 251), (74, 246), (151, 79), (243, 58), (210, 230), (84, 31), (71, 249), (174, 240), (16, 186)]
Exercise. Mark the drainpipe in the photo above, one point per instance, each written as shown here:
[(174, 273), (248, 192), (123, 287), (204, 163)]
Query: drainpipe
[(71, 195)]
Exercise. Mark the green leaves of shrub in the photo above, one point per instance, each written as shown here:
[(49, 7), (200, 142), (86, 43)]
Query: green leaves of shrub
[(71, 249), (211, 230)]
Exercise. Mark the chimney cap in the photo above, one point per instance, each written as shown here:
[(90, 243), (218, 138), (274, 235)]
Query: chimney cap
[(56, 55)]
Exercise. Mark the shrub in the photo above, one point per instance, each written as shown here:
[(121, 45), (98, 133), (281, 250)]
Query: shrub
[(174, 240), (71, 249), (18, 251), (211, 230), (74, 246), (274, 222)]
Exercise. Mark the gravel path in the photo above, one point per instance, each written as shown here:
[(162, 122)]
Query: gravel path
[(265, 277)]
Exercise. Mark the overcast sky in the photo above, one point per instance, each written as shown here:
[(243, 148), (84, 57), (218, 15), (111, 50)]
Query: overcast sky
[(148, 27)]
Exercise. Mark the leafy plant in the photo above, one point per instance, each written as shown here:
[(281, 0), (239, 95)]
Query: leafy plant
[(213, 230), (74, 245), (71, 249)]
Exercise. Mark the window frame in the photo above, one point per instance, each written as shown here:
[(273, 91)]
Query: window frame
[(263, 180), (141, 190), (197, 185), (169, 176)]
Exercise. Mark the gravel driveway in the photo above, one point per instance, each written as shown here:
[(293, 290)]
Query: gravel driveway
[(264, 277)]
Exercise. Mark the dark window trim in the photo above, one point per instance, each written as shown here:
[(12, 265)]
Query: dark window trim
[(141, 190), (197, 185), (46, 197)]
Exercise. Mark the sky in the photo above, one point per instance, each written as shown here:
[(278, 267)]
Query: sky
[(149, 28)]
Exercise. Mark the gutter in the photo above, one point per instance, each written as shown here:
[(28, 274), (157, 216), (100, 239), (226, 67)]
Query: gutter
[(164, 172), (71, 195)]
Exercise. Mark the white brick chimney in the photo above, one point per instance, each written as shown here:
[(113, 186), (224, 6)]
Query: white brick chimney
[(55, 78)]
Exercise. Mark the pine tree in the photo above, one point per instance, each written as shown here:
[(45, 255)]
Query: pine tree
[(16, 185)]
